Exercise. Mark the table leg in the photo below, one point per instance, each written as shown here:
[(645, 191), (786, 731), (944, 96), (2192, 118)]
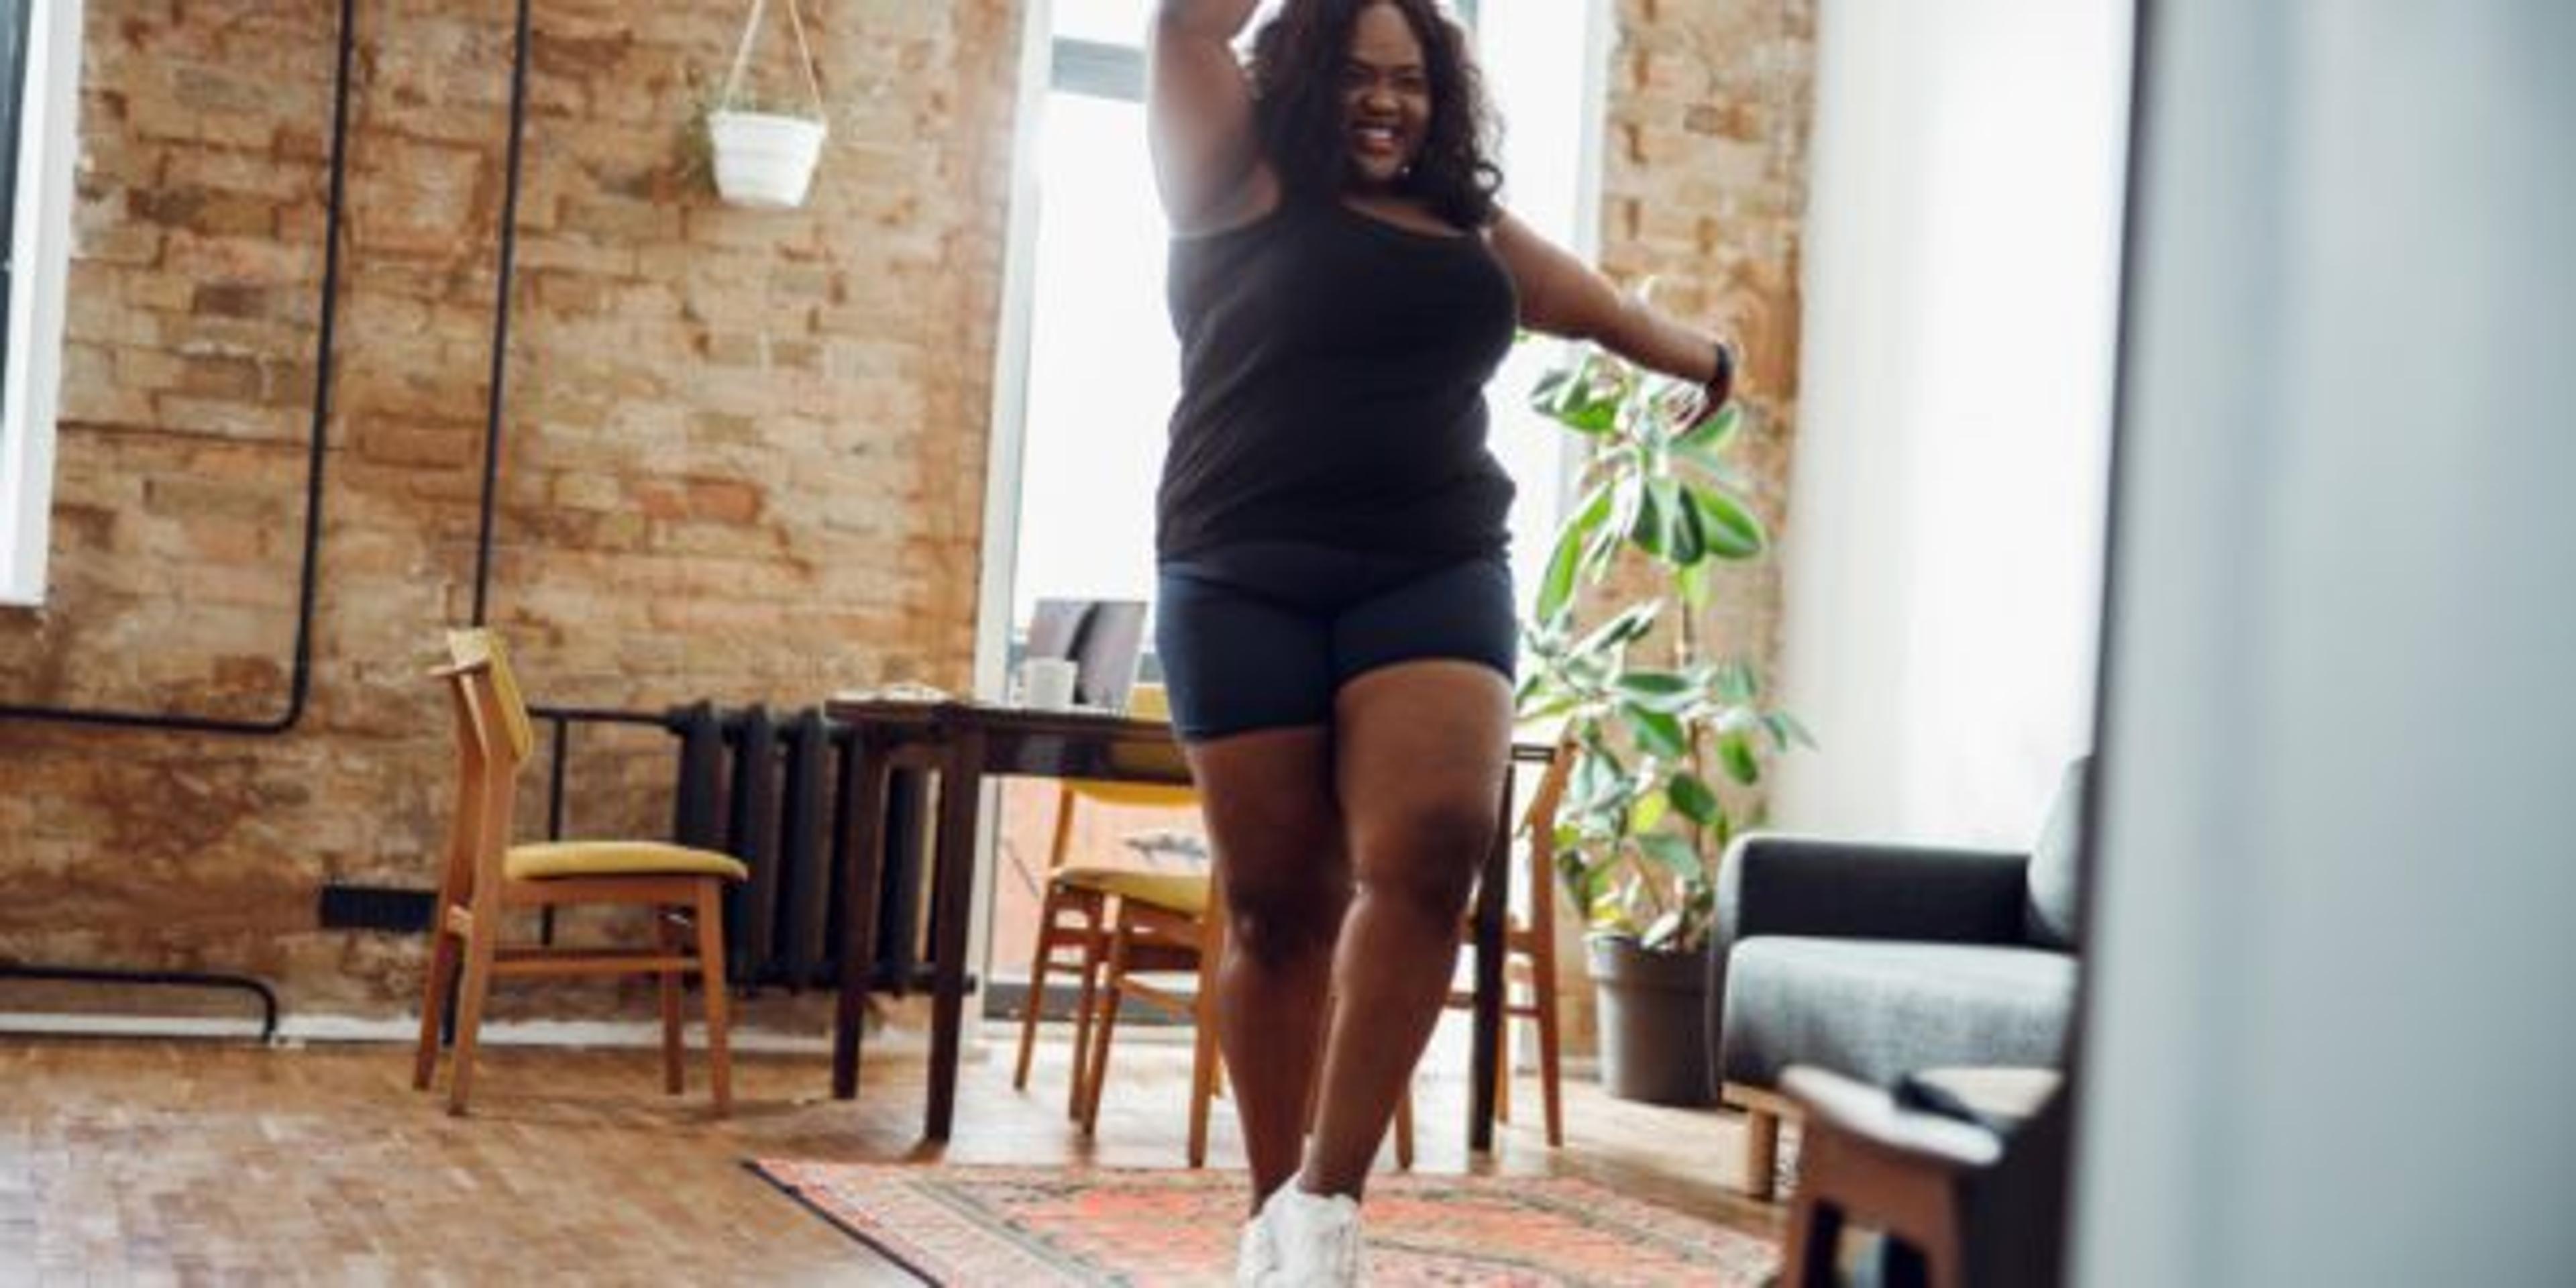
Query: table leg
[(863, 857), (953, 899), (1493, 904)]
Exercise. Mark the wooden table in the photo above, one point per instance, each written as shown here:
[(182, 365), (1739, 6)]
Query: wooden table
[(964, 742)]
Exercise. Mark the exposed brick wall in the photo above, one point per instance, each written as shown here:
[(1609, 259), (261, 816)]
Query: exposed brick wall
[(1705, 194), (745, 450), (743, 459)]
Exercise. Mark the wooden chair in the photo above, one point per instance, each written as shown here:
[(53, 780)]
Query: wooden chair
[(1529, 955), (1149, 938), (1074, 915), (486, 880), (1973, 1193)]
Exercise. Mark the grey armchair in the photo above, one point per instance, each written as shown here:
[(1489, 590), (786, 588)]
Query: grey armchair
[(1873, 960)]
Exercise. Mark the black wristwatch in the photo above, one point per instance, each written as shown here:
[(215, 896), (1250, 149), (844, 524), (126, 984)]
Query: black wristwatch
[(1721, 383)]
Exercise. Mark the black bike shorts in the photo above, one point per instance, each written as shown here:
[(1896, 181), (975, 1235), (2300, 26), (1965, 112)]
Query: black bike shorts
[(1262, 636)]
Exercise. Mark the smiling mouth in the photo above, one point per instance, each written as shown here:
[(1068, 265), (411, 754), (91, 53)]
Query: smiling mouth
[(1377, 139)]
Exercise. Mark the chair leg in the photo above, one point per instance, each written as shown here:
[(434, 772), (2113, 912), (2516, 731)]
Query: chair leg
[(479, 950), (1503, 1063), (1551, 1088), (1404, 1131), (1048, 909), (1113, 988), (1814, 1239), (1091, 907), (441, 980), (1761, 1151), (1203, 1079), (711, 981), (666, 935)]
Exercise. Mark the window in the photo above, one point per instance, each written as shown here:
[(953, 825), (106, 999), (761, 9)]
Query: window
[(1098, 368), (39, 68), (1089, 368)]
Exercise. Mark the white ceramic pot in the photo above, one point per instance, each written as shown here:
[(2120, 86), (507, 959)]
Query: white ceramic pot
[(764, 160)]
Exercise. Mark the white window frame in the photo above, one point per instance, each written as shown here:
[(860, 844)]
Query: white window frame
[(40, 259), (1047, 64)]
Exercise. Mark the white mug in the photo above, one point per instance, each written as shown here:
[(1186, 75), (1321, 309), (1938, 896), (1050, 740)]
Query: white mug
[(1046, 683)]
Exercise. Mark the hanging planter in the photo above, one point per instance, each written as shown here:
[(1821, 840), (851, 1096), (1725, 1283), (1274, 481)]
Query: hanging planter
[(765, 159)]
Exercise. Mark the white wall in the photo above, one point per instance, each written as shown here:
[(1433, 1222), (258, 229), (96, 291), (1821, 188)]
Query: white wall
[(1943, 552), (2333, 1013)]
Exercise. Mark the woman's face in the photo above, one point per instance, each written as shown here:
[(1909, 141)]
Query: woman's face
[(1386, 96)]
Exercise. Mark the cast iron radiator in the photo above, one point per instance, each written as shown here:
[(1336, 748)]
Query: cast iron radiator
[(772, 789)]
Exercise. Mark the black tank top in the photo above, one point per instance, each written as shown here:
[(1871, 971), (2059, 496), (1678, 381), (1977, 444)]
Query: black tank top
[(1332, 387)]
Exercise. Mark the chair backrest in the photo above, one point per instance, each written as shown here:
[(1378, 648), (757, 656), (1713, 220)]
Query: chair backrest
[(480, 646), (493, 739), (1539, 820)]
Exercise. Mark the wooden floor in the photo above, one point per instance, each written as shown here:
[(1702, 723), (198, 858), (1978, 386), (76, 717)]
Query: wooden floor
[(142, 1162)]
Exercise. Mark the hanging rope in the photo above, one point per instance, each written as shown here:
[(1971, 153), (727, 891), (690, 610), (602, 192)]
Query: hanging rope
[(742, 57)]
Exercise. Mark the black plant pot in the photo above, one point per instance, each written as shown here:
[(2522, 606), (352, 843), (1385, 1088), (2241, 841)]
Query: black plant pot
[(1654, 1022)]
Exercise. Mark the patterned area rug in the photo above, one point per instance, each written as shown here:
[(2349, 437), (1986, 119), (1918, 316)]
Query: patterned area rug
[(976, 1226)]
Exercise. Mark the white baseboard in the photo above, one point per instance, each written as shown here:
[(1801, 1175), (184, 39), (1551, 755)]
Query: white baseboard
[(295, 1030)]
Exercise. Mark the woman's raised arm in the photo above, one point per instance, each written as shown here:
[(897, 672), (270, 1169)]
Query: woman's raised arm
[(1198, 107), (1561, 295)]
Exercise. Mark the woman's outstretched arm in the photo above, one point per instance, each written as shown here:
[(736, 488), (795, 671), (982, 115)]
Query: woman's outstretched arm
[(1561, 295), (1198, 108)]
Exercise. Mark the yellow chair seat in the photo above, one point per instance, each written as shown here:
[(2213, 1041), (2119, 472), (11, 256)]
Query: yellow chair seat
[(1182, 892), (552, 859), (1140, 795)]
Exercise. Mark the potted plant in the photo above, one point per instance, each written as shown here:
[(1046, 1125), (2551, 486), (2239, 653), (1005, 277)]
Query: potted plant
[(1666, 738), (763, 154)]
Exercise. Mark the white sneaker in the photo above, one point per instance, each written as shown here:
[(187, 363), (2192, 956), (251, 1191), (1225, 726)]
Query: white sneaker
[(1316, 1238), (1256, 1256)]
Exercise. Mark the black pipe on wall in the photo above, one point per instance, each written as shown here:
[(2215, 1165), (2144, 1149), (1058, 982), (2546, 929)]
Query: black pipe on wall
[(300, 681)]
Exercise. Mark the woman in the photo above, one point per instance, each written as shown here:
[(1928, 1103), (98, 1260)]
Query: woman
[(1336, 616)]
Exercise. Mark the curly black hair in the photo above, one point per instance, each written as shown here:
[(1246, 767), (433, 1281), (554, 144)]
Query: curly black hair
[(1297, 60)]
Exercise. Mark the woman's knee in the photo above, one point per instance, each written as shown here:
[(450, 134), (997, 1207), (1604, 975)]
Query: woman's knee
[(1278, 916), (1427, 855)]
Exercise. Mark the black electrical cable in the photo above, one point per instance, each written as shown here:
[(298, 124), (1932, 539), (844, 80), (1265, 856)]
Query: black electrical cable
[(300, 681)]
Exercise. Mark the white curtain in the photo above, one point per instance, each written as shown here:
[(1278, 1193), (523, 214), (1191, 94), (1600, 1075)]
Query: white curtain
[(1944, 536)]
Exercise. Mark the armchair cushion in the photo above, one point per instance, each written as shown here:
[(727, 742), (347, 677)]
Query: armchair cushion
[(1874, 1010)]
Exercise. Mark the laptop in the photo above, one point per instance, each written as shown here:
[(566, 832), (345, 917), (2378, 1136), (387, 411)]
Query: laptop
[(1104, 638)]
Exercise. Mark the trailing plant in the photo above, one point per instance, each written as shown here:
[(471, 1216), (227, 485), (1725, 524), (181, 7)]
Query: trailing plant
[(1646, 815)]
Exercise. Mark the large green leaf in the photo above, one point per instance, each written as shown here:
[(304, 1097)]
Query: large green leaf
[(1667, 691), (1649, 811), (1786, 728), (1684, 542), (1658, 732), (1556, 588), (1736, 751), (1692, 798), (1652, 525), (1712, 435), (1597, 781), (1578, 399), (1736, 684), (1629, 626), (1675, 854), (1732, 531)]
